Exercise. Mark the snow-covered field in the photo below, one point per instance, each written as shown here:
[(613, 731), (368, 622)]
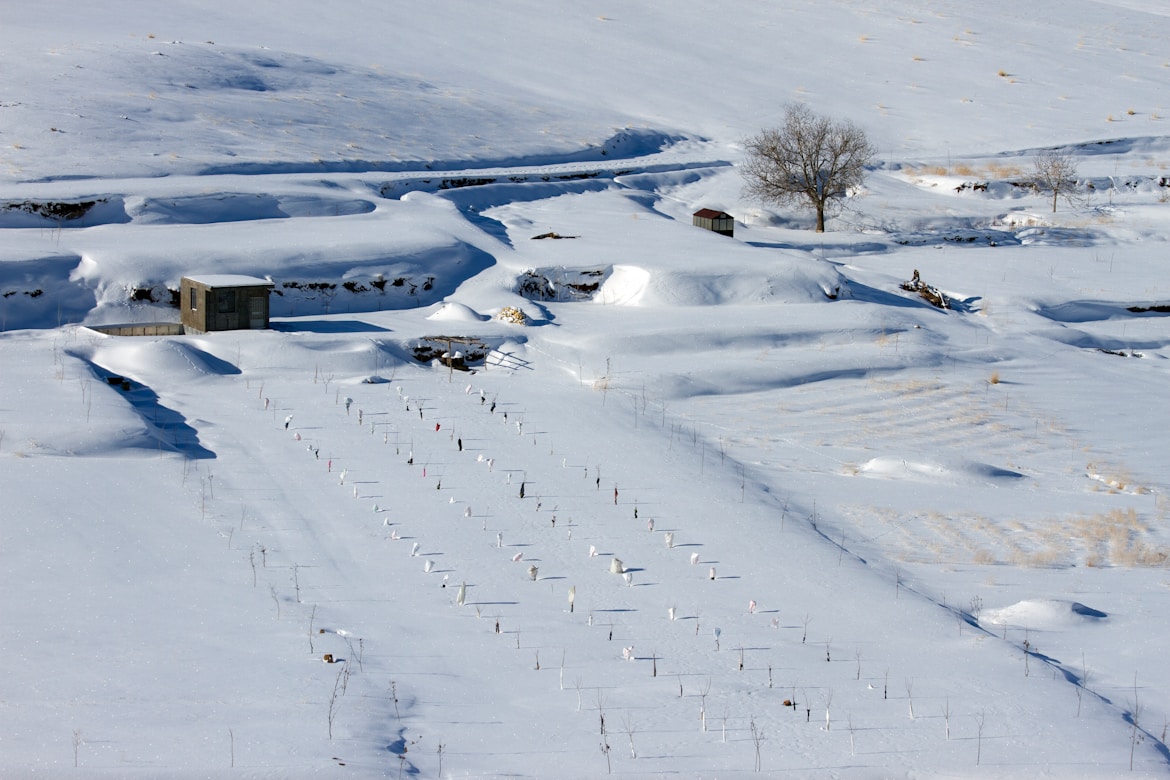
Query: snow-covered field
[(717, 507)]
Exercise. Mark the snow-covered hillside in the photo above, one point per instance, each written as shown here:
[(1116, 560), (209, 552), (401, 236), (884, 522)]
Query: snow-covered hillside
[(714, 507)]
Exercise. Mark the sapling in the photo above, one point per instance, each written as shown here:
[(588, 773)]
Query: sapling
[(910, 697), (979, 719), (333, 698), (1085, 682), (828, 706), (757, 740), (1137, 735), (628, 725), (703, 703), (77, 742), (312, 617), (572, 596), (461, 596)]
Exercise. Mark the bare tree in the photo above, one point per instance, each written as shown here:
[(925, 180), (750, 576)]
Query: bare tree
[(333, 703), (810, 159), (628, 725), (1137, 734), (757, 740), (1055, 172), (979, 720)]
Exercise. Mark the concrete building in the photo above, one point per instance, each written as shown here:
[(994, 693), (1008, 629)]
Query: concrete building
[(214, 302)]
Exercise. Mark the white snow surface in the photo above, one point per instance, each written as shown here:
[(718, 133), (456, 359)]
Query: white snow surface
[(904, 542)]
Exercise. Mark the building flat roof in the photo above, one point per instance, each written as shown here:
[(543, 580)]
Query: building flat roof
[(229, 280)]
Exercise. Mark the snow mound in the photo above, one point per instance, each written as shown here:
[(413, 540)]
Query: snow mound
[(1043, 613), (624, 287), (219, 207), (141, 358), (962, 471), (456, 312)]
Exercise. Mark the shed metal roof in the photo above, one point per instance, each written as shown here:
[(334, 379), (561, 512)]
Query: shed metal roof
[(712, 214)]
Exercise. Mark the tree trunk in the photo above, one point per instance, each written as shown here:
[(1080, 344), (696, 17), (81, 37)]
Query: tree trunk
[(820, 217)]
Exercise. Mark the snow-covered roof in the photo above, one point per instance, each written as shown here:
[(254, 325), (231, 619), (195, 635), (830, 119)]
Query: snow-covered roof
[(229, 280)]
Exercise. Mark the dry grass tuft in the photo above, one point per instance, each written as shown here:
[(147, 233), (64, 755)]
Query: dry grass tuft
[(997, 171), (1116, 538), (984, 557), (994, 379)]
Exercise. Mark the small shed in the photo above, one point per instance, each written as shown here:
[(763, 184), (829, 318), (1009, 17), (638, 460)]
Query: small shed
[(224, 302), (717, 221)]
